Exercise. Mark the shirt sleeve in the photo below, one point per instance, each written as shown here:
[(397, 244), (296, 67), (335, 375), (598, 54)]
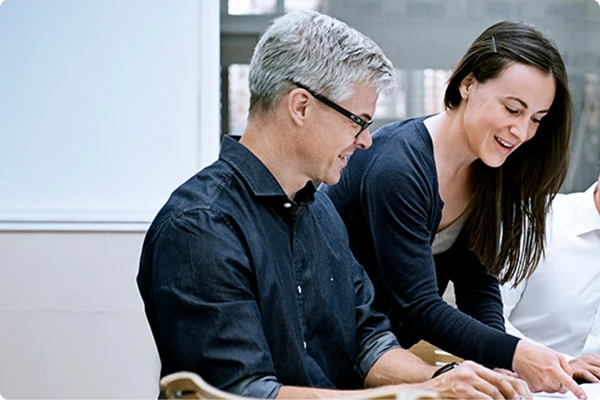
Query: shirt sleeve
[(373, 330), (510, 298), (399, 205), (206, 312), (374, 337)]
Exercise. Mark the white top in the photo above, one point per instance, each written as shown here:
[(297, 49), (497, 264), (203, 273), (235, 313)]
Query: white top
[(558, 306), (446, 238)]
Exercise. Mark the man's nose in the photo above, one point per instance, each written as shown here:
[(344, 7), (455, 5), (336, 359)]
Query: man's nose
[(363, 140)]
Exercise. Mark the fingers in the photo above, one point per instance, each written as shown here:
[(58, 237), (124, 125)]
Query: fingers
[(587, 367), (491, 391), (521, 388), (544, 369), (586, 375), (472, 380), (506, 372), (586, 372), (592, 359), (565, 382), (569, 384), (564, 364), (509, 386)]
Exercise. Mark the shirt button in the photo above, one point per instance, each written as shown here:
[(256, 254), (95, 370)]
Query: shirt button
[(304, 343), (287, 205), (299, 289)]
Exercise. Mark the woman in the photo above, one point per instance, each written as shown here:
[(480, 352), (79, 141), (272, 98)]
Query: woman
[(453, 196)]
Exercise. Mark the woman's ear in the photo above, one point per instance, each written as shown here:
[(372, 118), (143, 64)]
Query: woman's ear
[(466, 85)]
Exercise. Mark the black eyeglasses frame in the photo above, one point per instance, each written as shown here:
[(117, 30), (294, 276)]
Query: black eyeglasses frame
[(353, 117)]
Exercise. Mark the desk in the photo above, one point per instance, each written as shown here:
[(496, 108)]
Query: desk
[(591, 389)]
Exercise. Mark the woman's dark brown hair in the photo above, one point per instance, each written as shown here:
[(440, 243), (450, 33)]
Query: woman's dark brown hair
[(506, 227)]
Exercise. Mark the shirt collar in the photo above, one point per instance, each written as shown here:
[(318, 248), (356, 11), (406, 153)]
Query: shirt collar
[(588, 217), (258, 177)]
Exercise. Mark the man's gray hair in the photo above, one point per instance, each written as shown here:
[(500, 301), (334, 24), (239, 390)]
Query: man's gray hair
[(319, 52)]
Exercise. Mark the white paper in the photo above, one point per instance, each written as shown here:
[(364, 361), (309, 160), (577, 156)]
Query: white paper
[(591, 389)]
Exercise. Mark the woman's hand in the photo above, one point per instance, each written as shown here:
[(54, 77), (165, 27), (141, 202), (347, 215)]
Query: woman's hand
[(545, 370)]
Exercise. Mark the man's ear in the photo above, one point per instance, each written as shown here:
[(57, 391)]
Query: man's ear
[(466, 85), (298, 103)]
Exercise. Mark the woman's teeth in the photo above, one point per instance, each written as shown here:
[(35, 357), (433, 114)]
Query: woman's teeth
[(503, 143)]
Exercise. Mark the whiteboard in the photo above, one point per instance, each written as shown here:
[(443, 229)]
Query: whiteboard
[(100, 113)]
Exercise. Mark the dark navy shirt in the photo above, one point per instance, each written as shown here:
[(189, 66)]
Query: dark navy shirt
[(389, 200), (252, 290)]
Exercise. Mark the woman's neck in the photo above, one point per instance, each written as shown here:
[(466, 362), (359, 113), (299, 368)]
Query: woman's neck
[(452, 151), (453, 161)]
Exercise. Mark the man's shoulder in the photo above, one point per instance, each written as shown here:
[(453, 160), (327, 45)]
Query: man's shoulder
[(574, 214), (210, 193), (564, 208)]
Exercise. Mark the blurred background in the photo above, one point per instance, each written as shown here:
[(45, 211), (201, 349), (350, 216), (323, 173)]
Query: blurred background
[(107, 105), (425, 39)]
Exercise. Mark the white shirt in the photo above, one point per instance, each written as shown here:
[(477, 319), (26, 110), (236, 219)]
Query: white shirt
[(558, 306)]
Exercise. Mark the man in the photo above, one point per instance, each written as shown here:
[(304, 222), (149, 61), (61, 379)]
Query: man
[(246, 273), (559, 304)]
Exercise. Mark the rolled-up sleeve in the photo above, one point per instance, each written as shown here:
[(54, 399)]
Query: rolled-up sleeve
[(373, 349), (374, 336), (258, 387)]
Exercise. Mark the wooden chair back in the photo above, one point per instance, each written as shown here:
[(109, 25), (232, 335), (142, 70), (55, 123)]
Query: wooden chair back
[(189, 385)]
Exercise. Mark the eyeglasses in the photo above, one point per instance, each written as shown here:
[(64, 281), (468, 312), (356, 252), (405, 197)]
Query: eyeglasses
[(355, 118)]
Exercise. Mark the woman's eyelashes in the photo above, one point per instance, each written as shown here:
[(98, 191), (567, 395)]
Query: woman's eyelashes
[(516, 112)]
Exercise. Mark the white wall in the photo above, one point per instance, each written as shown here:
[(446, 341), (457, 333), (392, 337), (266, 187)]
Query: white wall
[(105, 107), (72, 324)]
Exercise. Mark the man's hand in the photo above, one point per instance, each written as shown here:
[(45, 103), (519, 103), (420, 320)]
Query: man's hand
[(587, 367), (544, 370), (473, 381), (506, 372)]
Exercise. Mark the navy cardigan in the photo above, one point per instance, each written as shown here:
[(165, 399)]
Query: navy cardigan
[(388, 198)]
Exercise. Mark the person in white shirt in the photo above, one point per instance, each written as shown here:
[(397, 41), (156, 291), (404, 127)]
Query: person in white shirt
[(558, 306)]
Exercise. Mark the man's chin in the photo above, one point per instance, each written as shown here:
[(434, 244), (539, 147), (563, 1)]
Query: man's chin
[(332, 180)]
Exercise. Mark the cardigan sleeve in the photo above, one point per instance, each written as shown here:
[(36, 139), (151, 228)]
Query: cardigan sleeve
[(477, 290)]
